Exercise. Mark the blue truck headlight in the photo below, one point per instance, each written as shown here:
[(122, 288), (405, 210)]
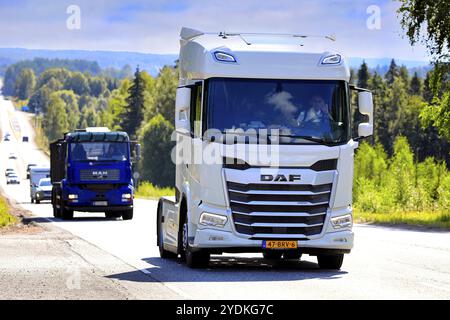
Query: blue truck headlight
[(211, 219), (72, 196), (126, 197), (342, 222)]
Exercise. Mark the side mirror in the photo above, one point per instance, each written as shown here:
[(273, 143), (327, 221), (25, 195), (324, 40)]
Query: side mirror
[(182, 105), (365, 106)]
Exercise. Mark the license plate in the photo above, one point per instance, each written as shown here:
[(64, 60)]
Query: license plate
[(100, 203), (279, 244)]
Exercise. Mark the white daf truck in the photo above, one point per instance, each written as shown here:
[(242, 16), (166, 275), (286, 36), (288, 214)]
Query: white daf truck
[(264, 156)]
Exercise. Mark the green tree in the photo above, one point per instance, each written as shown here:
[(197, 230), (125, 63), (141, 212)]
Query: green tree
[(97, 86), (432, 16), (78, 83), (71, 105), (25, 83), (164, 94), (40, 99), (363, 76), (415, 87), (55, 121), (134, 110), (392, 73), (157, 166)]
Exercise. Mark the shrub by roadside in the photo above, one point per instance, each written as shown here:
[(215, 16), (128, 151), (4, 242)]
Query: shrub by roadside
[(5, 217), (399, 189), (147, 190)]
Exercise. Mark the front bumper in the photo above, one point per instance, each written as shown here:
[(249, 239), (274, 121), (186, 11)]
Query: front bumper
[(98, 208), (224, 241), (43, 196)]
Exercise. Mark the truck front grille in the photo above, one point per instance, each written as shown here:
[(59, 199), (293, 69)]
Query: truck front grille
[(279, 209), (100, 175)]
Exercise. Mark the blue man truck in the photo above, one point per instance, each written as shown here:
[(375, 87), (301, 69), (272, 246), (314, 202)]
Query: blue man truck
[(91, 170)]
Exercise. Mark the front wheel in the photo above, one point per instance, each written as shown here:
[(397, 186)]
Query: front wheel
[(330, 261), (194, 259), (32, 200), (127, 215), (38, 201)]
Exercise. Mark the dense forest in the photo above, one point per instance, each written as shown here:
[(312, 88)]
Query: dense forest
[(402, 167)]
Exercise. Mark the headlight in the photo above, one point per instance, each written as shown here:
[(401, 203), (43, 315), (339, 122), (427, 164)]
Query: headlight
[(73, 196), (126, 196), (210, 219), (341, 222)]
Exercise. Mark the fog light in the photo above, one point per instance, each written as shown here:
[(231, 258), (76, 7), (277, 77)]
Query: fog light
[(341, 222), (73, 196), (210, 219)]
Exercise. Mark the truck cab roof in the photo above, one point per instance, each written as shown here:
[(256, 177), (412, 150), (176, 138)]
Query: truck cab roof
[(283, 56), (83, 136)]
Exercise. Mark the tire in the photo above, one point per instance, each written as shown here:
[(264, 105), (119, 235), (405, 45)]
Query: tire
[(127, 214), (65, 213), (333, 261), (164, 254), (272, 254), (292, 255), (38, 201), (32, 200), (55, 212), (194, 259)]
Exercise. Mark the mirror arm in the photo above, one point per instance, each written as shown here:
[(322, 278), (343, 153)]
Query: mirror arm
[(358, 89)]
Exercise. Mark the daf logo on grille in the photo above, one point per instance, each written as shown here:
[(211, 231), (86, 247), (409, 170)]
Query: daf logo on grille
[(280, 177)]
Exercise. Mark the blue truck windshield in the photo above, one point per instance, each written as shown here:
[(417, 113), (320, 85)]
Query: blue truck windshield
[(314, 109), (99, 151)]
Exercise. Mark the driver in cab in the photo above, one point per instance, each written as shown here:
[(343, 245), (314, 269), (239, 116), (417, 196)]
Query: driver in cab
[(317, 114)]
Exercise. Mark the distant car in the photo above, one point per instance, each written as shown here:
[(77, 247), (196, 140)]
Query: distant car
[(43, 190), (9, 171), (28, 169), (25, 139), (12, 155), (12, 179), (6, 138)]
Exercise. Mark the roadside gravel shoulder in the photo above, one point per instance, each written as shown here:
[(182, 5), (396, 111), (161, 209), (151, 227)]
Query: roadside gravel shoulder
[(41, 261)]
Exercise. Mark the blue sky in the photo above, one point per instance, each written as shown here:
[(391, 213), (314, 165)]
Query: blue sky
[(153, 25)]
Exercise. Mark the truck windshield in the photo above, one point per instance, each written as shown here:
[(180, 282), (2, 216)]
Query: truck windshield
[(311, 111), (98, 151)]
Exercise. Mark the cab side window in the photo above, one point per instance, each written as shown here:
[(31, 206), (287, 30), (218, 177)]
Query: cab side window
[(196, 110)]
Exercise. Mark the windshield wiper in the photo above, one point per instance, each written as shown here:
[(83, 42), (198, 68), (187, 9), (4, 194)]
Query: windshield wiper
[(309, 138)]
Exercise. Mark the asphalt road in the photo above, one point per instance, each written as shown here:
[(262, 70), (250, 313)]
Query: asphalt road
[(386, 263)]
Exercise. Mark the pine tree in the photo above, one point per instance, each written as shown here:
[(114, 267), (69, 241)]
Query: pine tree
[(392, 73), (134, 110), (363, 76), (415, 87)]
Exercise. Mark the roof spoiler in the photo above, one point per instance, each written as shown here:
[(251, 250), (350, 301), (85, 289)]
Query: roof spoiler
[(189, 33)]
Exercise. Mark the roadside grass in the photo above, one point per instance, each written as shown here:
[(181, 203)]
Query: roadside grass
[(5, 218), (435, 219), (147, 190), (40, 138)]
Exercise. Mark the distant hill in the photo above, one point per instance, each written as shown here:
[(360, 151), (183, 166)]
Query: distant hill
[(152, 63)]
